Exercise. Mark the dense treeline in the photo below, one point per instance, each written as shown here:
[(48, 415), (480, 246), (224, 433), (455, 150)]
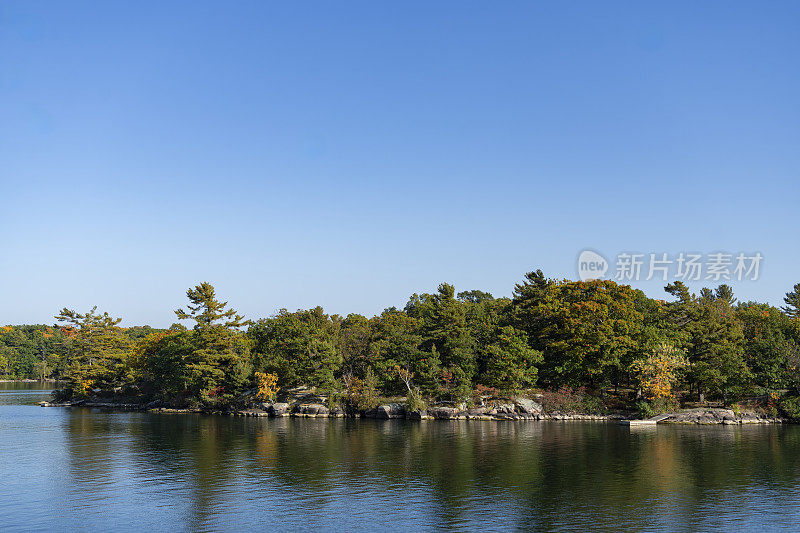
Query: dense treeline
[(442, 346), (40, 352)]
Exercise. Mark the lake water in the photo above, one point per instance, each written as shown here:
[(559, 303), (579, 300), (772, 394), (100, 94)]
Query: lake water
[(84, 469)]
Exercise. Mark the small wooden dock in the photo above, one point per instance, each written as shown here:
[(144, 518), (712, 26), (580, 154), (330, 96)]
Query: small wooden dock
[(647, 421)]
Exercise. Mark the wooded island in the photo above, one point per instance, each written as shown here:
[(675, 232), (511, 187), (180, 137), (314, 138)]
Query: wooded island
[(589, 345)]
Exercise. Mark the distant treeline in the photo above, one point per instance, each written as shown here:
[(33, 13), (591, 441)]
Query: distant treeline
[(442, 346), (39, 352)]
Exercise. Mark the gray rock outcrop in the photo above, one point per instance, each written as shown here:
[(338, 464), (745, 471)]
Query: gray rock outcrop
[(391, 410), (279, 409), (443, 413), (526, 405)]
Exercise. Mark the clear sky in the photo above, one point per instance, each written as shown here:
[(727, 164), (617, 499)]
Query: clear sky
[(349, 154)]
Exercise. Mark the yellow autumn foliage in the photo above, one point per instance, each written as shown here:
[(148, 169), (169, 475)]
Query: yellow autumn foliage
[(267, 386), (85, 387), (657, 372)]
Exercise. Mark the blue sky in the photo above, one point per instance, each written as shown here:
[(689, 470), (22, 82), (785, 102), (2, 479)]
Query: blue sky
[(350, 154)]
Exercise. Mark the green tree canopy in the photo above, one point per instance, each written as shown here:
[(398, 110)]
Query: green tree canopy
[(587, 331), (301, 347), (207, 311), (792, 300), (217, 364), (97, 353)]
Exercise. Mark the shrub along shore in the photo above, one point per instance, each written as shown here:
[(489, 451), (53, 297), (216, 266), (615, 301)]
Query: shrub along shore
[(593, 348)]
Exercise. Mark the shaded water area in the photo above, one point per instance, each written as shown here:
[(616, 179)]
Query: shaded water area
[(91, 470)]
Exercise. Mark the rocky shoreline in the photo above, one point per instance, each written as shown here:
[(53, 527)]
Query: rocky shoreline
[(713, 416), (519, 409)]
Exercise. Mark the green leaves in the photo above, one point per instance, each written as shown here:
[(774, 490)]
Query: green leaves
[(301, 347), (510, 361), (792, 300), (562, 333), (97, 355), (713, 340), (206, 310), (587, 331)]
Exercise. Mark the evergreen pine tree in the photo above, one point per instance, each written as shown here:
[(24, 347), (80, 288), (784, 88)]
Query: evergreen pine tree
[(218, 365), (792, 299)]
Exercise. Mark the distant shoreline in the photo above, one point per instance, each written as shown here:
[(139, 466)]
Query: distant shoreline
[(27, 380)]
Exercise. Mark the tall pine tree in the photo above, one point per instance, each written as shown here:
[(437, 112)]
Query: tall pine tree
[(218, 364), (792, 300)]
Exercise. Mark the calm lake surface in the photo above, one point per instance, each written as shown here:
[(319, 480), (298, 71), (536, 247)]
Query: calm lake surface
[(84, 469)]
